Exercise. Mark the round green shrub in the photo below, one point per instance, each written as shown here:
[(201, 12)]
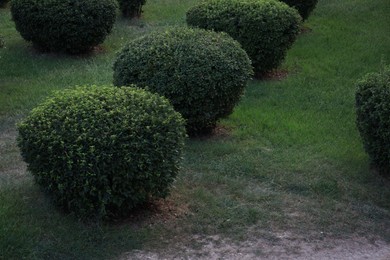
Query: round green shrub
[(101, 151), (64, 25), (202, 73), (266, 29), (373, 117), (304, 7), (131, 8)]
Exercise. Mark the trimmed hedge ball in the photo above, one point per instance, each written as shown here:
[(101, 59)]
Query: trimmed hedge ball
[(64, 25), (373, 117), (101, 151), (266, 29), (131, 8), (202, 73), (304, 7)]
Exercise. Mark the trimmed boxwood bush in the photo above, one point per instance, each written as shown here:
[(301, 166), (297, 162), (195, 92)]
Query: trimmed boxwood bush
[(373, 117), (266, 29), (202, 73), (64, 25), (304, 7), (101, 151), (131, 8)]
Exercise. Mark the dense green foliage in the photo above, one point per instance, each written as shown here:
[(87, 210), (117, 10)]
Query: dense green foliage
[(304, 7), (101, 151), (373, 117), (131, 8), (203, 73), (64, 25), (266, 29)]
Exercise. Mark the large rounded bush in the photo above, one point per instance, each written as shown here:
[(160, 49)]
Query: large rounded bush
[(101, 151), (304, 7), (202, 73), (373, 117), (64, 25), (131, 8), (266, 29)]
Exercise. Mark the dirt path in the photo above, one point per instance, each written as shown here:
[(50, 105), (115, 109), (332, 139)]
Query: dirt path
[(287, 247)]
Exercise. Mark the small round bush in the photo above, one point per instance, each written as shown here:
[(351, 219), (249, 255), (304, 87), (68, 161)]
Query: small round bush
[(373, 117), (266, 29), (64, 25), (202, 73), (131, 8), (304, 7), (101, 151)]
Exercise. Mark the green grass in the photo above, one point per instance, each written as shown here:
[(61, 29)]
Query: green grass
[(293, 160)]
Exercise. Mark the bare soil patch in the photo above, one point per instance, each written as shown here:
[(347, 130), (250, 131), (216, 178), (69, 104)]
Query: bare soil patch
[(287, 246), (277, 74), (305, 29), (160, 211), (219, 132)]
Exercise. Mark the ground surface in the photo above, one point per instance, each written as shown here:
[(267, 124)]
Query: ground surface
[(287, 247)]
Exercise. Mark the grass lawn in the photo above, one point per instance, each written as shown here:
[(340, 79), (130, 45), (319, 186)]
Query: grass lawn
[(291, 161)]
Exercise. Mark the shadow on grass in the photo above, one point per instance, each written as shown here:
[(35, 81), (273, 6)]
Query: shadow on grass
[(31, 228)]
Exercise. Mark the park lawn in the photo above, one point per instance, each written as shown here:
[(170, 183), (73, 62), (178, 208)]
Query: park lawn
[(289, 159)]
